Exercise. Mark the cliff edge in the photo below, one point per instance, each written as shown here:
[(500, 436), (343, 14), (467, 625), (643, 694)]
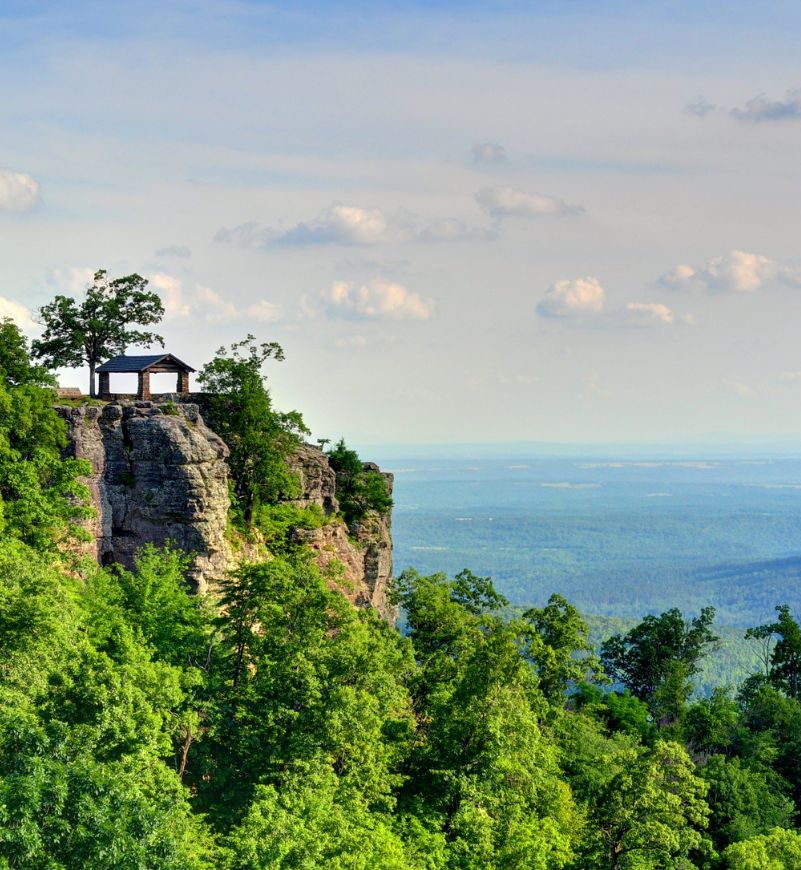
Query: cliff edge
[(159, 474)]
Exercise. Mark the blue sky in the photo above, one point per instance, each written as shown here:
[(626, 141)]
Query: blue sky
[(464, 222)]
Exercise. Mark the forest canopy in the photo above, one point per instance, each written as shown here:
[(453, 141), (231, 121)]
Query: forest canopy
[(277, 726)]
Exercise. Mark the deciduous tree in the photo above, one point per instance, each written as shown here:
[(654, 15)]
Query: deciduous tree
[(99, 326)]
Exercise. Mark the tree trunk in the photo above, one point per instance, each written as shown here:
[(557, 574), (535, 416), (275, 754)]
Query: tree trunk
[(92, 379)]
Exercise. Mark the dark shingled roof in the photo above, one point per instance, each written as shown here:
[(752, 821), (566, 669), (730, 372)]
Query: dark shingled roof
[(140, 363)]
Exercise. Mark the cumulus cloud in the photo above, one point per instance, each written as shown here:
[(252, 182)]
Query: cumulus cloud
[(217, 308), (649, 314), (699, 108), (377, 300), (18, 191), (573, 299), (18, 313), (180, 251), (488, 152), (352, 225), (760, 108), (737, 272), (501, 202), (172, 294)]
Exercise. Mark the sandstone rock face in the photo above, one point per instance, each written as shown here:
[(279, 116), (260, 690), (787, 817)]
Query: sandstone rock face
[(364, 552), (159, 477), (156, 477)]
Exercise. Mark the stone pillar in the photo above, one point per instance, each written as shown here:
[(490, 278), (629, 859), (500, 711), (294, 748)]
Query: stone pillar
[(183, 382), (143, 392), (105, 389)]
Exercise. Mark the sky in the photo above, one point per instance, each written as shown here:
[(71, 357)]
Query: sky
[(463, 222)]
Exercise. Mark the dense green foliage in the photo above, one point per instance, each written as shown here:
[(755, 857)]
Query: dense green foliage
[(277, 726), (359, 489), (38, 489), (99, 326), (239, 408)]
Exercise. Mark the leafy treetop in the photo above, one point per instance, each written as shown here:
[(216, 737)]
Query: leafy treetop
[(99, 326), (240, 410)]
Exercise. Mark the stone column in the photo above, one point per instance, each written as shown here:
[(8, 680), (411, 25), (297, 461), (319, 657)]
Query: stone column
[(144, 387), (183, 382), (104, 389)]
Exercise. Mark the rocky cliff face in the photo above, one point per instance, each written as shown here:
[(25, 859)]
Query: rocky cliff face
[(156, 477), (363, 552), (160, 477)]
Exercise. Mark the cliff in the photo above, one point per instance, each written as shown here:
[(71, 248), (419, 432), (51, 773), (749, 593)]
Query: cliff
[(364, 551), (159, 474), (157, 477)]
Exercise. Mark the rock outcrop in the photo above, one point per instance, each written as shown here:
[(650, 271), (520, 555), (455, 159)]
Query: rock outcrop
[(156, 477), (364, 551), (159, 474)]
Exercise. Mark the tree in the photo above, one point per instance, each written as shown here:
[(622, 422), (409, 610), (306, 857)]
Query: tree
[(98, 327), (657, 657), (40, 494), (778, 850), (360, 488), (784, 662), (260, 438)]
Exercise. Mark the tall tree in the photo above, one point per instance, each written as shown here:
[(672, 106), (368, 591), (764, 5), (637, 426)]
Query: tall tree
[(99, 326), (241, 412), (659, 653), (784, 662)]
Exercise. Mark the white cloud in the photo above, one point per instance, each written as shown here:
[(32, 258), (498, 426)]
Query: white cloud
[(649, 314), (264, 311), (488, 152), (18, 191), (760, 108), (573, 298), (377, 300), (737, 271), (217, 308), (500, 202), (339, 224), (18, 313), (791, 377), (172, 295)]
